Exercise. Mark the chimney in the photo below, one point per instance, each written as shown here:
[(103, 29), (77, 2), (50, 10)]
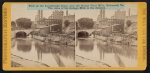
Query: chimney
[(67, 13), (38, 15), (41, 14), (104, 12), (129, 11)]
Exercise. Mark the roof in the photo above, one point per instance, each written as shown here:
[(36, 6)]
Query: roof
[(41, 26), (54, 24)]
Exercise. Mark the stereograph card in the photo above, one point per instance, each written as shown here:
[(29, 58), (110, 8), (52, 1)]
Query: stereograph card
[(74, 36)]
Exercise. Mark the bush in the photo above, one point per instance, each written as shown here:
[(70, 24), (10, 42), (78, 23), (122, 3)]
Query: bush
[(86, 23)]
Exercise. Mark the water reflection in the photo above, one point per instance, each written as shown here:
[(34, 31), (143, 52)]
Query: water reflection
[(86, 44), (124, 50), (109, 53), (23, 45), (66, 51), (47, 53)]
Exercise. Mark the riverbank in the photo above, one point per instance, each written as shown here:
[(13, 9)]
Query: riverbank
[(82, 61), (22, 62), (61, 39)]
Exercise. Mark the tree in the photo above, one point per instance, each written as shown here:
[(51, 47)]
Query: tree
[(66, 23), (13, 24), (24, 23), (86, 23), (128, 23)]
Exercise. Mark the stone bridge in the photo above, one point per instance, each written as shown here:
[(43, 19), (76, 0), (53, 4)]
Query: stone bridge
[(26, 31), (85, 32)]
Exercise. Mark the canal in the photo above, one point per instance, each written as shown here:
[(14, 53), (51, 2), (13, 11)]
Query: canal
[(88, 52), (46, 53), (94, 52)]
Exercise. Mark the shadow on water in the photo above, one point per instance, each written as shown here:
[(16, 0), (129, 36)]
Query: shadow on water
[(62, 50), (58, 60), (123, 50), (13, 43), (43, 50), (23, 45), (106, 51), (86, 45), (119, 61)]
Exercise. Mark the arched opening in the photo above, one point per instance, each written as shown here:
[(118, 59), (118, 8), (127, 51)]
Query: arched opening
[(21, 34), (83, 34)]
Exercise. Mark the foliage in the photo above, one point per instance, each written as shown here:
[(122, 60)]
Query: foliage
[(66, 23), (13, 24), (24, 23), (86, 23), (128, 23)]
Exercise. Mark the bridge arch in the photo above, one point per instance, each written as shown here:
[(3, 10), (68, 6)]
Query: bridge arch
[(83, 34), (21, 34)]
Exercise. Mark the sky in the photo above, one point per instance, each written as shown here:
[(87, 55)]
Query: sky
[(20, 10)]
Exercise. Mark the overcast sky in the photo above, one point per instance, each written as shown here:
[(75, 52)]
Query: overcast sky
[(20, 10)]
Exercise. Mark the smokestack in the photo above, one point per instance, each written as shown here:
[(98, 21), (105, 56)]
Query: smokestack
[(101, 13), (67, 13), (38, 15), (41, 14), (129, 11), (104, 12)]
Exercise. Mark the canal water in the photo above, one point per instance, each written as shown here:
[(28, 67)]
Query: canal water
[(89, 51), (46, 53)]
